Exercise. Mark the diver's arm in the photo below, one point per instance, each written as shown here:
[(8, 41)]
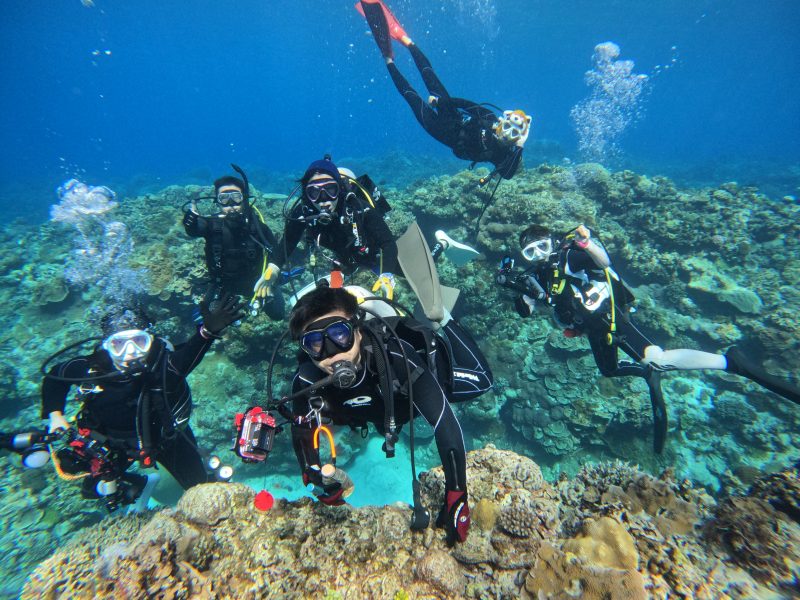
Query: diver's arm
[(54, 392), (584, 241), (186, 357), (510, 164), (292, 234)]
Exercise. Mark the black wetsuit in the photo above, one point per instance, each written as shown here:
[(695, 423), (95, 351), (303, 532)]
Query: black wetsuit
[(468, 376), (464, 126), (235, 254), (578, 268), (356, 234), (114, 408)]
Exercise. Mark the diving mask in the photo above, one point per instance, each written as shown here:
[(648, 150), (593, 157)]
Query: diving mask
[(232, 198), (513, 127), (329, 337), (538, 250), (128, 348), (327, 191)]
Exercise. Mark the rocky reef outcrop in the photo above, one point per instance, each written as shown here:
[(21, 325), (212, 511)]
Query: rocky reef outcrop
[(611, 532)]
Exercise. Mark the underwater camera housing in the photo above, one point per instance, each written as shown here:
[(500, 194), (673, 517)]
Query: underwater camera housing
[(255, 433)]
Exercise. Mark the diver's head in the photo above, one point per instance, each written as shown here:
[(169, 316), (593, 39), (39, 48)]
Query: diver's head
[(229, 194), (322, 185), (126, 339), (513, 128), (325, 322), (536, 243)]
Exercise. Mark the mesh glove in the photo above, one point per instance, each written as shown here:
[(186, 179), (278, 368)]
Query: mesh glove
[(385, 283), (217, 315), (268, 279)]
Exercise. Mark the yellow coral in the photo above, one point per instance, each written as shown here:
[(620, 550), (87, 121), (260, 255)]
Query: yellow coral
[(485, 514), (605, 543)]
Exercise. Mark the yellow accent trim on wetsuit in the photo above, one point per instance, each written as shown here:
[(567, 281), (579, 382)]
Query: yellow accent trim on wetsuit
[(613, 326)]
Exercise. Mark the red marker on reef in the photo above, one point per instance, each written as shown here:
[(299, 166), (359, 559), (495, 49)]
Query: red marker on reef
[(263, 501)]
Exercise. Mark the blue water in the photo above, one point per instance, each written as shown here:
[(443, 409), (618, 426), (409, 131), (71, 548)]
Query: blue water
[(153, 92)]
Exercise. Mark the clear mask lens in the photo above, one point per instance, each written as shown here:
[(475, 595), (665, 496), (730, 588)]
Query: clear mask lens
[(328, 191), (135, 343), (538, 250), (230, 198)]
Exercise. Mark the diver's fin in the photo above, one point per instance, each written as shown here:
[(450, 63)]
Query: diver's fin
[(460, 254), (396, 30), (449, 297), (742, 365), (140, 504), (376, 19), (660, 421), (417, 263)]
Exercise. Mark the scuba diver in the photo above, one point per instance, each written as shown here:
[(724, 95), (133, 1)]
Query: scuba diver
[(337, 332), (572, 274), (471, 130), (135, 406), (344, 215), (239, 245)]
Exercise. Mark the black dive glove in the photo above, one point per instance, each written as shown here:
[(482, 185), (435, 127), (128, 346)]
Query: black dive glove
[(220, 313), (190, 220)]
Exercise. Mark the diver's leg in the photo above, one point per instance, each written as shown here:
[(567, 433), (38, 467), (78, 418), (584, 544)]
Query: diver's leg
[(182, 459), (432, 82), (633, 343), (431, 402), (471, 373), (426, 116)]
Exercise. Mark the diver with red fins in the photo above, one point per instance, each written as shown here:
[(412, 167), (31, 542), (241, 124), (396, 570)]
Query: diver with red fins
[(473, 131)]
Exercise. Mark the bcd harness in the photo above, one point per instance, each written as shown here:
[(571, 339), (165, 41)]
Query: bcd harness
[(590, 294), (151, 401), (223, 241), (356, 206)]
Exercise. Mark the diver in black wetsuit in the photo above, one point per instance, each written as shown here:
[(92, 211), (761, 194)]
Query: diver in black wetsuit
[(471, 130), (344, 215), (136, 405), (573, 275), (239, 247), (330, 328)]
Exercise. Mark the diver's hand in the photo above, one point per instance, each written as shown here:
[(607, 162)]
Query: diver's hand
[(454, 516), (190, 218), (57, 421), (332, 494), (385, 283), (268, 279), (227, 309), (582, 236)]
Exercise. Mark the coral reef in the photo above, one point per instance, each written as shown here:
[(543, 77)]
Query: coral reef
[(710, 267), (215, 544)]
